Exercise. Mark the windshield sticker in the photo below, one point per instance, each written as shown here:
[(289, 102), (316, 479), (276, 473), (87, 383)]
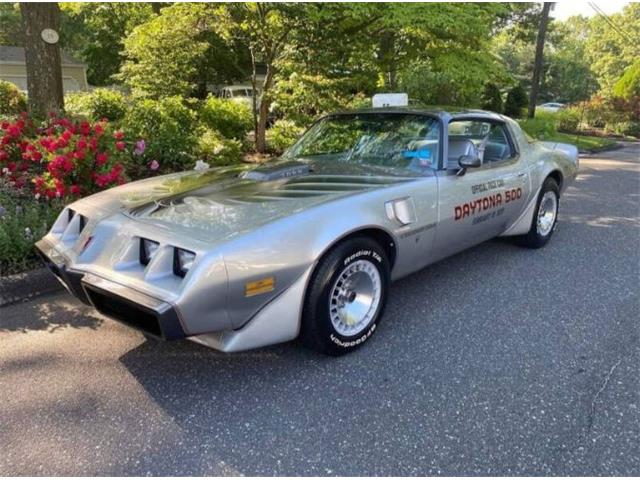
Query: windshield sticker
[(475, 207)]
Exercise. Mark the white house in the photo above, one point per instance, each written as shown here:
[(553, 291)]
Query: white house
[(14, 69)]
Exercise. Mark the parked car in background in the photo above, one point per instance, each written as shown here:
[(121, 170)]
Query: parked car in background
[(551, 107), (239, 93)]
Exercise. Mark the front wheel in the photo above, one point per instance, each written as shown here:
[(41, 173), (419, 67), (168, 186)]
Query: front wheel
[(545, 217), (346, 297)]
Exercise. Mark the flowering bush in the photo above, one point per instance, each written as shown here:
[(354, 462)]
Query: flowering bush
[(169, 129), (61, 158), (614, 115), (23, 219)]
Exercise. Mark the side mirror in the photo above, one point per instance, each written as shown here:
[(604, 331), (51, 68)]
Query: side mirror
[(468, 161)]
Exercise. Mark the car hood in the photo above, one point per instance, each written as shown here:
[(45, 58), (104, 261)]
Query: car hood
[(220, 202)]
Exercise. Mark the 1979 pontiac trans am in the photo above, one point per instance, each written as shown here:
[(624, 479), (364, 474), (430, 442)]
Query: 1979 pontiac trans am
[(306, 246)]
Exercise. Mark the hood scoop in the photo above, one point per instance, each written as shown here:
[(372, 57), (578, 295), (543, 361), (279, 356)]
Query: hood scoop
[(277, 172)]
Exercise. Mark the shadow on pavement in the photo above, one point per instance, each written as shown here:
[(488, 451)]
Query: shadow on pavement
[(47, 314)]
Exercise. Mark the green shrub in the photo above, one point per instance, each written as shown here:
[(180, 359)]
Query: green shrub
[(540, 127), (625, 128), (492, 98), (516, 101), (23, 220), (96, 105), (217, 150), (282, 135), (168, 127), (568, 120), (12, 101), (233, 119)]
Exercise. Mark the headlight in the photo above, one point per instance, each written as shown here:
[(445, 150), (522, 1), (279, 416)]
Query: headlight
[(182, 261), (147, 249)]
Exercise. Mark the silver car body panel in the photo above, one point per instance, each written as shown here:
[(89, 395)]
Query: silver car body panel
[(271, 229)]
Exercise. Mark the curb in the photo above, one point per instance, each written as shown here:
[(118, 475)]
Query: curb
[(27, 285), (593, 151)]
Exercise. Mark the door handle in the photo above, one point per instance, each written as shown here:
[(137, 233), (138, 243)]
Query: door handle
[(522, 175)]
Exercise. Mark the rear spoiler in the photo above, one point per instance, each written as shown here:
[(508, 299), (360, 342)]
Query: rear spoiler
[(569, 150)]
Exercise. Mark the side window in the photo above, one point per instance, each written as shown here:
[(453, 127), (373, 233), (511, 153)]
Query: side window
[(497, 146), (487, 138)]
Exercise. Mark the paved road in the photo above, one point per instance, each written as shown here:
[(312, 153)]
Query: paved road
[(498, 361)]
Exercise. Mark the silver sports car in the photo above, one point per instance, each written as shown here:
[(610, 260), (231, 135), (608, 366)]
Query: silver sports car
[(306, 246)]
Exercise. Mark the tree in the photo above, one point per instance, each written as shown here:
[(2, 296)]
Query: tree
[(492, 98), (44, 69), (612, 45), (178, 53), (268, 29), (628, 87), (10, 25), (537, 66), (95, 32), (567, 77), (516, 101)]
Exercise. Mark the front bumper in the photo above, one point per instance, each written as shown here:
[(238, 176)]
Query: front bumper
[(56, 263), (135, 309)]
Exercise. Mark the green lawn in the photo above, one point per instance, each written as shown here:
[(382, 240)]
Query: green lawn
[(583, 142)]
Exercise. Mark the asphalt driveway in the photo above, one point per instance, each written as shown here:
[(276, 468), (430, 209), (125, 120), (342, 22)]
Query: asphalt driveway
[(500, 360)]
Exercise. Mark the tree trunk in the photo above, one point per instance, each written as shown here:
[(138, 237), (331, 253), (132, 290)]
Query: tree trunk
[(254, 93), (263, 111), (537, 67), (388, 58), (44, 69)]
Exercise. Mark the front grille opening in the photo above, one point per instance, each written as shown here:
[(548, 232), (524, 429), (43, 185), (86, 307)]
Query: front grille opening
[(125, 312)]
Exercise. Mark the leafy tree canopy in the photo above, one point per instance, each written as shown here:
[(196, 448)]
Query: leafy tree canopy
[(613, 44)]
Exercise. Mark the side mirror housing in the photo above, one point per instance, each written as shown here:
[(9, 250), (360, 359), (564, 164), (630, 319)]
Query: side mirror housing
[(468, 161)]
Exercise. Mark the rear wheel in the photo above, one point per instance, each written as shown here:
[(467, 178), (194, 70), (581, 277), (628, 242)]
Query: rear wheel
[(545, 217), (346, 297)]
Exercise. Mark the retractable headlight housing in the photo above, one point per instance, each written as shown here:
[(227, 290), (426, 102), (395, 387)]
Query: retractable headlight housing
[(147, 249), (182, 261)]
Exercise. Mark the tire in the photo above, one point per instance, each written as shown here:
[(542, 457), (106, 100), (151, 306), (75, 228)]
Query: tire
[(346, 297), (540, 231)]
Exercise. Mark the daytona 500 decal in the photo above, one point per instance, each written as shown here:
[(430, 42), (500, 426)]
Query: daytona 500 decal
[(489, 202)]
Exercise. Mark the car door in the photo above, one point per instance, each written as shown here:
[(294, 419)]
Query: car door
[(483, 202)]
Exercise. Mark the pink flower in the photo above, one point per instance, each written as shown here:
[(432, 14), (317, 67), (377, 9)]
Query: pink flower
[(101, 158), (154, 165), (139, 148), (120, 146), (119, 135)]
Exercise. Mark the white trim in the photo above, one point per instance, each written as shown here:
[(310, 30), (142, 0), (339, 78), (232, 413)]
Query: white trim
[(5, 62)]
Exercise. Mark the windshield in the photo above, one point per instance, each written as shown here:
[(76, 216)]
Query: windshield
[(241, 92), (396, 140)]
